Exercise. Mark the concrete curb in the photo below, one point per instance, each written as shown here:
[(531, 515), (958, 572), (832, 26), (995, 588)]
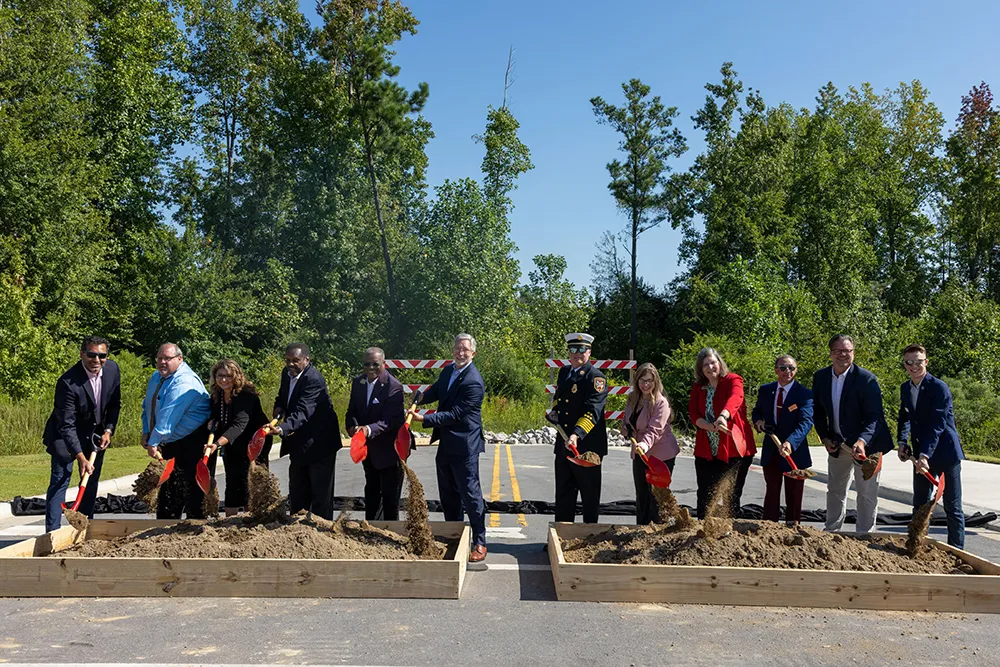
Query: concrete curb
[(118, 485)]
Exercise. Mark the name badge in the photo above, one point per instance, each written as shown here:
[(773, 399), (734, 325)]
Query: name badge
[(793, 407)]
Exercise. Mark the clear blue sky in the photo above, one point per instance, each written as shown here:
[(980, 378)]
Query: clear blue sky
[(567, 52)]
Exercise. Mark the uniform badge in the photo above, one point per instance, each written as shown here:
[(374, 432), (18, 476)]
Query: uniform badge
[(573, 390), (363, 382), (600, 384), (793, 407)]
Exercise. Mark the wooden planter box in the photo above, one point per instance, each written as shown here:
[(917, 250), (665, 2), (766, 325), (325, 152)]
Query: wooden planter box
[(25, 572), (599, 582)]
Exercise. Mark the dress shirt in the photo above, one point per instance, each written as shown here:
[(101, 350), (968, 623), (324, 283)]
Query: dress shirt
[(182, 406), (836, 389), (784, 398), (96, 382)]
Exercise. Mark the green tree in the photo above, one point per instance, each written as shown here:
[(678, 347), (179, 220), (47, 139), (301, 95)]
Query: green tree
[(553, 305), (639, 185)]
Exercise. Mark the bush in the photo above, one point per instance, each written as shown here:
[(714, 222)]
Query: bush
[(977, 415), (512, 374)]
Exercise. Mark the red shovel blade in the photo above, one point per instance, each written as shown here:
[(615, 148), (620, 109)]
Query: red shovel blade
[(256, 445), (403, 441), (940, 488), (165, 475), (201, 475), (359, 446), (657, 480)]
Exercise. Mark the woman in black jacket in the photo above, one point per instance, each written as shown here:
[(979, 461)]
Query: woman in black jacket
[(236, 415)]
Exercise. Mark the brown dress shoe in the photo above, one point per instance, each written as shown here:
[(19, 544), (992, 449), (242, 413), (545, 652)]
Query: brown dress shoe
[(478, 553)]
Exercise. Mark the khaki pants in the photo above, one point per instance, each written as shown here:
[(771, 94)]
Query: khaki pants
[(840, 470)]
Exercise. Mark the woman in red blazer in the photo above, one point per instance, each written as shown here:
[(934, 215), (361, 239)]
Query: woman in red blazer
[(717, 405)]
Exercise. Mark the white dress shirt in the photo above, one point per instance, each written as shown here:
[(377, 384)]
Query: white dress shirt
[(371, 388), (836, 389), (784, 398), (96, 385)]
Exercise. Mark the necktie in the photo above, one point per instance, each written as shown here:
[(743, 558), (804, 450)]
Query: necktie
[(781, 399), (152, 407)]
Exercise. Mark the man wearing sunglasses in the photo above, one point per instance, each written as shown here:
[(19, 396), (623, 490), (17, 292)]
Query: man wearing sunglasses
[(578, 408), (376, 407), (87, 404), (926, 432)]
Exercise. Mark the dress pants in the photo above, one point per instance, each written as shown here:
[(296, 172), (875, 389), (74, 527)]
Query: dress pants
[(458, 488), (646, 509), (572, 479), (709, 472), (773, 478), (310, 485), (841, 468), (383, 488), (952, 499), (59, 479), (180, 493)]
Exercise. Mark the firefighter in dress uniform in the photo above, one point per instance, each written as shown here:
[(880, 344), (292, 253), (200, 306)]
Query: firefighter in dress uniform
[(578, 408)]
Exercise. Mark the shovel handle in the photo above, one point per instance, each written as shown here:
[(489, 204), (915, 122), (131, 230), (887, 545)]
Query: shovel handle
[(205, 452), (413, 403)]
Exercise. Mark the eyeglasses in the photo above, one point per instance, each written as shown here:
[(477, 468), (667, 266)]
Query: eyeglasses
[(915, 362), (96, 355), (578, 349), (372, 364), (159, 359), (788, 369), (841, 351)]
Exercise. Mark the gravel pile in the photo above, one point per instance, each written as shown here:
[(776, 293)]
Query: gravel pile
[(547, 436)]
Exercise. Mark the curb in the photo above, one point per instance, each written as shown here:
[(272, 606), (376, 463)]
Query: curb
[(118, 485)]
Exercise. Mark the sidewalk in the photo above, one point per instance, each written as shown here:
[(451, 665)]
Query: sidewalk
[(980, 482)]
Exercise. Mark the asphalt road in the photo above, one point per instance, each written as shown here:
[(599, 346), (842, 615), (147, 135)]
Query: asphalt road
[(507, 615)]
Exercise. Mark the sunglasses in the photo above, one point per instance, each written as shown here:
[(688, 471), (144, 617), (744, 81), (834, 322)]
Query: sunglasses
[(578, 349), (96, 355), (786, 368), (914, 362), (371, 364)]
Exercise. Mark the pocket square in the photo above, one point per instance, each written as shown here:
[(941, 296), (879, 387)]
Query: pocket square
[(793, 407), (374, 401)]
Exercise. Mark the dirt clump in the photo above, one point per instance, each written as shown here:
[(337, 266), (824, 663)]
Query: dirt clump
[(917, 529), (76, 519), (145, 486), (265, 503), (668, 511), (237, 537), (421, 539), (718, 514), (758, 544), (210, 505), (591, 457), (870, 465)]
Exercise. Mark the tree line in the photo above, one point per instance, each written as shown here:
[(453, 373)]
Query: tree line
[(227, 175)]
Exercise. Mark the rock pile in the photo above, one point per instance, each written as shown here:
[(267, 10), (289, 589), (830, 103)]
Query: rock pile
[(547, 436)]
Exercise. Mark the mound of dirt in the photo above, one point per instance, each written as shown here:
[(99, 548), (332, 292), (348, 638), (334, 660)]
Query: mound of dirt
[(265, 504), (870, 465), (145, 486), (418, 527), (235, 537), (758, 544), (917, 529), (210, 505)]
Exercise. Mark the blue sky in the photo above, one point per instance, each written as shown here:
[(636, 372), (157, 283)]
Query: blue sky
[(568, 52)]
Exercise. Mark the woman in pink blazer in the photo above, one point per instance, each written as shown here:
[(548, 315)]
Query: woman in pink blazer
[(724, 443), (647, 419)]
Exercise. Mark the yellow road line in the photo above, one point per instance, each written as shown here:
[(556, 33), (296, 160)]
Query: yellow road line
[(515, 490), (495, 492)]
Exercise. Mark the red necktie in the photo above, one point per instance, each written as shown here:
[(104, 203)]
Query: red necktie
[(781, 399)]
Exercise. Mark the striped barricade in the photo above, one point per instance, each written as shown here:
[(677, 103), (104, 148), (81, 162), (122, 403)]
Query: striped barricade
[(603, 364), (612, 391), (418, 364)]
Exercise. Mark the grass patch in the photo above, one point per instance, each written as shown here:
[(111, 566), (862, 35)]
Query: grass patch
[(28, 474), (983, 458)]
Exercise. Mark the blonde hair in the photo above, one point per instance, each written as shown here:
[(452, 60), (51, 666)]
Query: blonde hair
[(636, 394), (240, 382)]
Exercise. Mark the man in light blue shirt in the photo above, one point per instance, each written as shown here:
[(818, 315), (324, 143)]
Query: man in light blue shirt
[(174, 415)]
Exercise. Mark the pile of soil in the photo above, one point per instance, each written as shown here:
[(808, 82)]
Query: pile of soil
[(237, 537), (668, 510), (917, 529), (210, 505), (591, 457), (870, 465), (265, 504), (421, 540), (145, 486), (76, 519), (759, 544)]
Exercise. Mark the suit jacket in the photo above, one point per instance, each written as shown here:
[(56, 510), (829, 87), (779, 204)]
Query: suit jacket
[(458, 422), (310, 429), (728, 396), (383, 415), (652, 428), (793, 426), (243, 416), (930, 423), (861, 414), (75, 417), (578, 407)]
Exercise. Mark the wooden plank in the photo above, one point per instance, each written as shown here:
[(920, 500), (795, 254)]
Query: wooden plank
[(43, 544), (23, 575), (981, 565), (767, 586)]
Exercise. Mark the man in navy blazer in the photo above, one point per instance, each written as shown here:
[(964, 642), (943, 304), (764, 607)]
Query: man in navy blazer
[(376, 407), (87, 404), (847, 406), (458, 428), (310, 433), (927, 420), (784, 408)]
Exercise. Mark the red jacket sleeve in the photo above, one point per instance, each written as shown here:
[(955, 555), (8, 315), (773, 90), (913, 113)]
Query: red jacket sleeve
[(734, 396), (696, 407)]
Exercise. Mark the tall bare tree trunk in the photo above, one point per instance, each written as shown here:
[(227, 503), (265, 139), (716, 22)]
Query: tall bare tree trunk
[(396, 333)]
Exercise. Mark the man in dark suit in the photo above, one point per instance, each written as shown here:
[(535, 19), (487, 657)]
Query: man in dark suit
[(458, 426), (578, 408), (847, 403), (376, 407), (310, 433), (927, 419), (87, 404), (784, 408)]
